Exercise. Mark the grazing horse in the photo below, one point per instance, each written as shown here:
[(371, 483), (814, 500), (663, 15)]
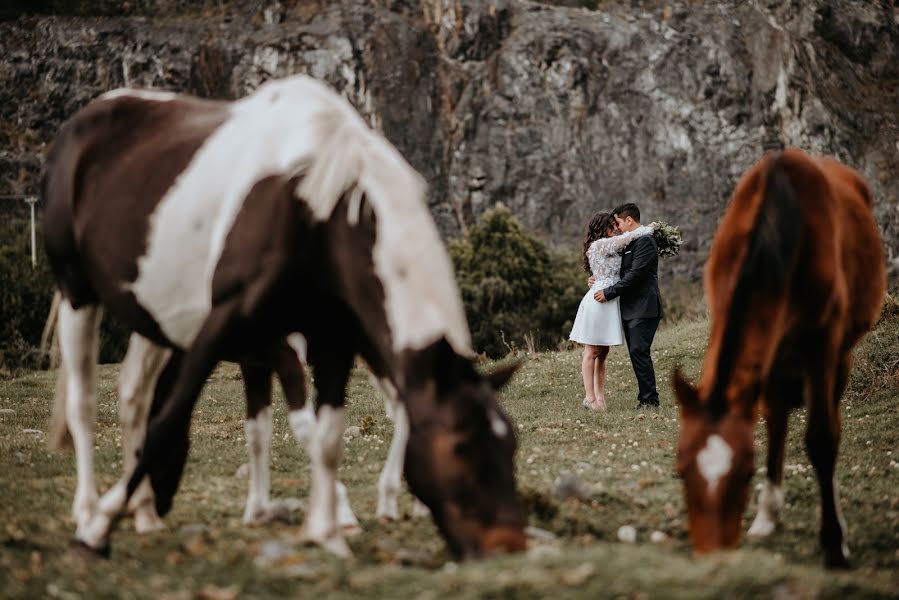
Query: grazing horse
[(794, 279), (223, 229)]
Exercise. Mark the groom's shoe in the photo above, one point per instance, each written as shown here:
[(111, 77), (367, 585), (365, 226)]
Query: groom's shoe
[(647, 405)]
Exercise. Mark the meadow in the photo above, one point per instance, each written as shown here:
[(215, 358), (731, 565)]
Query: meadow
[(623, 458)]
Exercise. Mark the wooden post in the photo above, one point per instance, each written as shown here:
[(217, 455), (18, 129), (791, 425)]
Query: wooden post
[(31, 200)]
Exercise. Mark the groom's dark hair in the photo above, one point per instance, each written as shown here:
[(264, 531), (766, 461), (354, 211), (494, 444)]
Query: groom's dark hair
[(627, 210)]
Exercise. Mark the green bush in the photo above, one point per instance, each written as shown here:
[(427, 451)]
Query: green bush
[(26, 293), (517, 293)]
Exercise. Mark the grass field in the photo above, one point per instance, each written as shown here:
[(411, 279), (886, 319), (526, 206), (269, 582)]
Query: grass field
[(625, 458)]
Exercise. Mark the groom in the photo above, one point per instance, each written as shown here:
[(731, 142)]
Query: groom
[(641, 304)]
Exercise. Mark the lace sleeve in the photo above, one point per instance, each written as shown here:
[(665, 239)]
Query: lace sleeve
[(616, 243)]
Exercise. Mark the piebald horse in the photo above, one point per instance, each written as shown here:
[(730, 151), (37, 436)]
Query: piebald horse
[(222, 230), (794, 279)]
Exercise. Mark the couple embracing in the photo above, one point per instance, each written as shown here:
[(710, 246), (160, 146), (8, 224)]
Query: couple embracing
[(623, 303)]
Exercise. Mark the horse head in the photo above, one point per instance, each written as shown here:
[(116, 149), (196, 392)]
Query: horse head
[(715, 462), (459, 458)]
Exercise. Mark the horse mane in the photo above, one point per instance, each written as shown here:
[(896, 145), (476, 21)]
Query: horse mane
[(771, 252), (349, 158)]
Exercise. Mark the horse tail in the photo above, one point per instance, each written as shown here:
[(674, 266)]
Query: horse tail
[(59, 437), (771, 255)]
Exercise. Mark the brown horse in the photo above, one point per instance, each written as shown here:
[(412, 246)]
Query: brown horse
[(794, 279)]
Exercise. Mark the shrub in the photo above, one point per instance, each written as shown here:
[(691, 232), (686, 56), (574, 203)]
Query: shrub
[(517, 293), (25, 296)]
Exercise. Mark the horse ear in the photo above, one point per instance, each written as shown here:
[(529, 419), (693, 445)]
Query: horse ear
[(685, 392), (500, 376)]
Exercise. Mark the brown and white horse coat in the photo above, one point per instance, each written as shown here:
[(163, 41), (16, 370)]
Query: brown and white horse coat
[(223, 229)]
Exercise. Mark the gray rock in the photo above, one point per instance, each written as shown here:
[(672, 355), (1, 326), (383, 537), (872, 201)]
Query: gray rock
[(352, 431), (7, 413), (539, 534), (567, 485)]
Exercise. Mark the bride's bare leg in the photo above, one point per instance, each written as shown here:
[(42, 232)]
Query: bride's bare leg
[(587, 368), (599, 377)]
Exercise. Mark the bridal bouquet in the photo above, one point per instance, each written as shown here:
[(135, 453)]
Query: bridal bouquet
[(668, 239)]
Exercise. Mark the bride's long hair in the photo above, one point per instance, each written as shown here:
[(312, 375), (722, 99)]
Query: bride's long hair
[(598, 227)]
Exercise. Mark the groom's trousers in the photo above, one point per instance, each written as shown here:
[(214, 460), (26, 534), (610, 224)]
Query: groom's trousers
[(639, 334)]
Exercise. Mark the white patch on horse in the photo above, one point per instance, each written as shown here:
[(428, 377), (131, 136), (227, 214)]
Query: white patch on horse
[(154, 95), (714, 460), (78, 344), (283, 128), (302, 423), (497, 424), (258, 432), (321, 520), (391, 475), (298, 342), (422, 300), (140, 371), (771, 500)]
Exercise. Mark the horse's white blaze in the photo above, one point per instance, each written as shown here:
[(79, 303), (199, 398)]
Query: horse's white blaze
[(771, 500), (258, 432), (391, 476), (297, 341), (498, 426), (714, 460)]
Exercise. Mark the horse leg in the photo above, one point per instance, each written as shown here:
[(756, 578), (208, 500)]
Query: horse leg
[(302, 421), (321, 527), (822, 442), (779, 396), (140, 372), (79, 346), (389, 483), (258, 432), (162, 456), (391, 476)]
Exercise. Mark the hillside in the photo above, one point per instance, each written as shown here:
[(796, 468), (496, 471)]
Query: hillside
[(555, 111)]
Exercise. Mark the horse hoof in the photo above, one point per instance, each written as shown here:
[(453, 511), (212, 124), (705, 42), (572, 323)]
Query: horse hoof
[(761, 528), (335, 544), (80, 550)]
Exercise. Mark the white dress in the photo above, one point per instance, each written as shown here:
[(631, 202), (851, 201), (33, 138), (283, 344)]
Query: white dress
[(599, 323)]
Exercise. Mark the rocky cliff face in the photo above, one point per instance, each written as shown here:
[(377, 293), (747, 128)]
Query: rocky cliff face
[(556, 112)]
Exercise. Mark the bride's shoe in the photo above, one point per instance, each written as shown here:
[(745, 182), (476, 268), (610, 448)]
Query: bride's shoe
[(586, 403)]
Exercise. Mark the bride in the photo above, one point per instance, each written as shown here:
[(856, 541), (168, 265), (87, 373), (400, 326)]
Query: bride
[(598, 324)]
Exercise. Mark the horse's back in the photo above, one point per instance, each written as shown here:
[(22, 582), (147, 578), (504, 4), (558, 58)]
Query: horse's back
[(107, 170), (862, 262), (843, 269)]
